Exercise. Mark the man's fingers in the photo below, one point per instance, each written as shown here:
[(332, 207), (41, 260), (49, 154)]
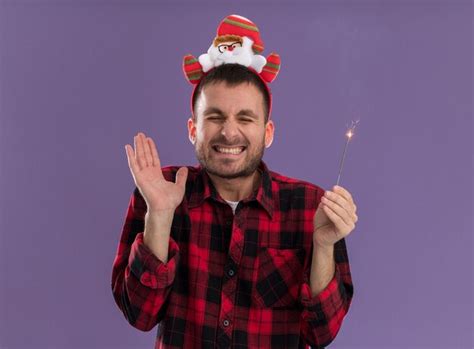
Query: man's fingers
[(131, 159), (335, 218), (340, 200), (347, 195), (181, 176), (341, 212), (344, 192), (146, 150), (154, 152), (139, 153)]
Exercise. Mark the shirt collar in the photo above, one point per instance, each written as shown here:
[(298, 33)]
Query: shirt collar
[(204, 188)]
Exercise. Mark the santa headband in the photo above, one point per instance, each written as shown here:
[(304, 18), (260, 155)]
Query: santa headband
[(237, 41)]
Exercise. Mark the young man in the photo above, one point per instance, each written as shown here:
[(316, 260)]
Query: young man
[(229, 253)]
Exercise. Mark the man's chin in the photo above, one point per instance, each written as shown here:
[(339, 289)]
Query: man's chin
[(226, 169), (229, 173)]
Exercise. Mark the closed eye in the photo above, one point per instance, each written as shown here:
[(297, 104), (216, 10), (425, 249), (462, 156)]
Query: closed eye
[(222, 118)]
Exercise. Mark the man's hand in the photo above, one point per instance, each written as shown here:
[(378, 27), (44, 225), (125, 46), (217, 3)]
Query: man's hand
[(335, 217), (161, 196)]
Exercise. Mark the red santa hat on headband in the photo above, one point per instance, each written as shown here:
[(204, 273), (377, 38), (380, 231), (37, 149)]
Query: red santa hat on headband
[(238, 25), (237, 41)]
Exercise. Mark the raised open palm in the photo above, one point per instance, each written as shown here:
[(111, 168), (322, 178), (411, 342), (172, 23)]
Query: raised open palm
[(160, 195)]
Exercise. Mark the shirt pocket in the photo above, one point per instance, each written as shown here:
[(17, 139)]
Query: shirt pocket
[(278, 277)]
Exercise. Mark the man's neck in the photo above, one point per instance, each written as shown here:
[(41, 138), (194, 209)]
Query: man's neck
[(236, 189)]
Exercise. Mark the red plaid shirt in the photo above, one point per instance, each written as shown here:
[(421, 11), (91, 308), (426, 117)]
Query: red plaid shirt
[(239, 281)]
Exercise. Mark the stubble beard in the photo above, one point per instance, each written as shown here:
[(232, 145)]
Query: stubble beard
[(214, 166)]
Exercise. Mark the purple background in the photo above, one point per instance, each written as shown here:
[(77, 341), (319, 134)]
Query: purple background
[(78, 79)]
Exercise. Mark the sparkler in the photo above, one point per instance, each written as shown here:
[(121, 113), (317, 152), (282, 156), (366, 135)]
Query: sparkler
[(349, 134)]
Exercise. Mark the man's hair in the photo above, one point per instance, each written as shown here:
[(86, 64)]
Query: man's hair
[(233, 74)]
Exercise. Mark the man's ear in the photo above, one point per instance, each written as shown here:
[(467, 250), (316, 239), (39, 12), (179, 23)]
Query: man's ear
[(191, 130), (269, 132)]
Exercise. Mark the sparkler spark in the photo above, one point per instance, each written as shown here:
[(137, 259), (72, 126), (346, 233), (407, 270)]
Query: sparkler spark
[(349, 134)]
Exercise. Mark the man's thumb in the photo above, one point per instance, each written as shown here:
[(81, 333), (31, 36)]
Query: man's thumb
[(181, 176)]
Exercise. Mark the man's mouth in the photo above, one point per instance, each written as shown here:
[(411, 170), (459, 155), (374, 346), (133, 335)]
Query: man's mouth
[(229, 150)]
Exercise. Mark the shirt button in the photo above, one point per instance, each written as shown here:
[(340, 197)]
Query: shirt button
[(231, 272), (226, 323)]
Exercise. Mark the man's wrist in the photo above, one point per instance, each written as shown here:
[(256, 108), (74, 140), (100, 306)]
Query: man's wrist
[(323, 248)]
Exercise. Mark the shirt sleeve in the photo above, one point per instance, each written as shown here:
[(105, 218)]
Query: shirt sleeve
[(141, 282), (323, 314)]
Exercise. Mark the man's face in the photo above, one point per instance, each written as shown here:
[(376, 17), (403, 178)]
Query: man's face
[(229, 133)]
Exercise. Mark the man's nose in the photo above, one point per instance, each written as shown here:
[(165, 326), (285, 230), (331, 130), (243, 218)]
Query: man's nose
[(230, 129), (230, 48)]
